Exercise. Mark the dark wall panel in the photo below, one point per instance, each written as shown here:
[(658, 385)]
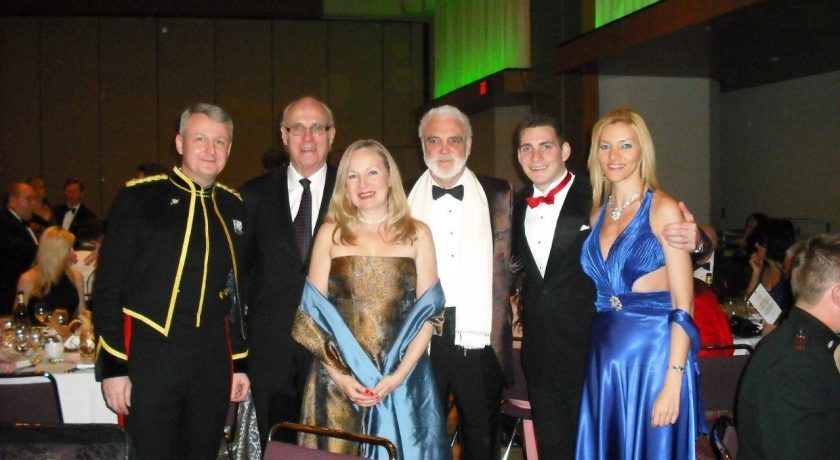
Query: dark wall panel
[(300, 52), (20, 135), (186, 74), (397, 84), (243, 88), (70, 105), (128, 95), (355, 75)]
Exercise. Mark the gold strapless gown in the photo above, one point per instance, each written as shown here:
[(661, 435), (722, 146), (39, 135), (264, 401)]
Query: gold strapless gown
[(371, 295)]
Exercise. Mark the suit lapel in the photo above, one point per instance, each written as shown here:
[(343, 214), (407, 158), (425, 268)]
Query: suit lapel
[(567, 230), (282, 208)]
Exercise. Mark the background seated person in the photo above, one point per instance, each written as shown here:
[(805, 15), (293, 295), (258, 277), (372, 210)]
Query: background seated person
[(767, 245), (52, 281)]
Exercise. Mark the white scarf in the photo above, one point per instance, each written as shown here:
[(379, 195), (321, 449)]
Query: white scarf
[(472, 290)]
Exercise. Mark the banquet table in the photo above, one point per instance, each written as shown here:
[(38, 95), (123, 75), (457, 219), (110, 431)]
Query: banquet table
[(79, 392)]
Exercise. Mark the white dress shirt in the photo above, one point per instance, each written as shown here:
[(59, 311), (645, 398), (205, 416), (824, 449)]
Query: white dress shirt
[(68, 217), (541, 221), (445, 225), (316, 188)]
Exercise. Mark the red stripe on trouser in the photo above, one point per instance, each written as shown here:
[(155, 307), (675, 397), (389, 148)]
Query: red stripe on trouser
[(127, 345)]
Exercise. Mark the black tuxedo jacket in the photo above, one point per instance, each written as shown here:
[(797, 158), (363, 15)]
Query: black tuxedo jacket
[(275, 273), (17, 252), (556, 310), (499, 194), (83, 216)]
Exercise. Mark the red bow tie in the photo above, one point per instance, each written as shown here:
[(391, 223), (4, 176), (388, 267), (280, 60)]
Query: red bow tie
[(534, 201)]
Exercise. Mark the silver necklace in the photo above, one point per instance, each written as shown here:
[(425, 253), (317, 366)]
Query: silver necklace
[(615, 213)]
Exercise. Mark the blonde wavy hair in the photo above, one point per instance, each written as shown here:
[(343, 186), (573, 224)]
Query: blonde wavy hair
[(601, 186), (401, 228), (51, 258)]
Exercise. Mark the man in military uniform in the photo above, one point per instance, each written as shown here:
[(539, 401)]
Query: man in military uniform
[(171, 347), (789, 398)]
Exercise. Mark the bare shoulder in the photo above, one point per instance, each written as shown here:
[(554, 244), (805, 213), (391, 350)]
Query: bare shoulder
[(326, 230), (422, 231), (664, 209)]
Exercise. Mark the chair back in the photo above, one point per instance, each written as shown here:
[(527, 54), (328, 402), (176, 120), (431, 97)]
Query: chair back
[(285, 450), (29, 397), (83, 440), (725, 438), (719, 377), (518, 391), (277, 450)]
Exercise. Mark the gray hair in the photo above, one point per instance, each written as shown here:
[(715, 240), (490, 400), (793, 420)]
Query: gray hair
[(213, 111), (445, 111)]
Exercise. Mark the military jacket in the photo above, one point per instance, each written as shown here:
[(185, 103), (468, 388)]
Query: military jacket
[(160, 267)]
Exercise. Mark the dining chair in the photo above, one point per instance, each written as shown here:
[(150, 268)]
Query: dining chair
[(516, 405), (29, 397), (725, 438), (70, 440), (719, 378), (276, 450)]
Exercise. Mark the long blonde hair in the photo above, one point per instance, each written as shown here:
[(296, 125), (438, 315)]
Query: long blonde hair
[(400, 226), (601, 186), (51, 259)]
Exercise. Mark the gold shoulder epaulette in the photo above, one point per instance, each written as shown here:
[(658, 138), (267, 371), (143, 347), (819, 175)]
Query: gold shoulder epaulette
[(144, 180), (229, 189)]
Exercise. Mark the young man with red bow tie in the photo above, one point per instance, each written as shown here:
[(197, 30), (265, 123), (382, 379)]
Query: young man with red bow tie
[(550, 224)]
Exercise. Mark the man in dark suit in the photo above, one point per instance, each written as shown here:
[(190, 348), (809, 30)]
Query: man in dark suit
[(73, 215), (18, 244), (469, 216), (789, 397), (550, 223), (285, 208)]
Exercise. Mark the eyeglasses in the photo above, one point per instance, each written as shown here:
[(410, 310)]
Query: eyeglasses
[(316, 129)]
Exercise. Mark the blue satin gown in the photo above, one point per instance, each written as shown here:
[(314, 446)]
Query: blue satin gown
[(628, 357)]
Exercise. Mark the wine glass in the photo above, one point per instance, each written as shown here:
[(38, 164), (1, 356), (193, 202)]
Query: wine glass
[(21, 340), (41, 313), (36, 340), (61, 316), (87, 344)]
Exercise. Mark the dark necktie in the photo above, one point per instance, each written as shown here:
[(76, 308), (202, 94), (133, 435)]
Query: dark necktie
[(457, 192), (303, 220), (534, 201)]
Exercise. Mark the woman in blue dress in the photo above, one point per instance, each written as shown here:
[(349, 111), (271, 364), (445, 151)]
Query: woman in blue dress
[(368, 312), (641, 395)]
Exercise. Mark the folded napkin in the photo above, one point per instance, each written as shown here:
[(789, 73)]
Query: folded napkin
[(85, 365), (72, 343)]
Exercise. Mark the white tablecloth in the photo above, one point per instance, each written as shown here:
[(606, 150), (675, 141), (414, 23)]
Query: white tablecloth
[(79, 392)]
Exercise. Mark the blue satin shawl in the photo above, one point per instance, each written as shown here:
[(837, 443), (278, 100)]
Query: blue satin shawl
[(410, 416)]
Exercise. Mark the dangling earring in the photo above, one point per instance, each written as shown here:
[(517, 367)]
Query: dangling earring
[(603, 178)]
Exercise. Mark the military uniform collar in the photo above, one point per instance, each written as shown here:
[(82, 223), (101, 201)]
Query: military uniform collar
[(180, 180), (815, 331)]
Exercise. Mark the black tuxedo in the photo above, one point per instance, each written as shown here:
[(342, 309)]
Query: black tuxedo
[(17, 252), (83, 216), (476, 377), (275, 275), (556, 314)]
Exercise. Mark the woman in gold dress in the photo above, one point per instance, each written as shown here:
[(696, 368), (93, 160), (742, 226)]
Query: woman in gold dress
[(368, 312)]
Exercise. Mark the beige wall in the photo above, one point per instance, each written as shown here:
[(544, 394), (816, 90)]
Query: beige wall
[(679, 114), (780, 148), (492, 148), (94, 97)]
